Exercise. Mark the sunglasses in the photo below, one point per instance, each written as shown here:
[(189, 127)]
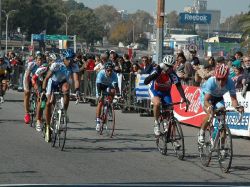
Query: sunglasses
[(109, 70)]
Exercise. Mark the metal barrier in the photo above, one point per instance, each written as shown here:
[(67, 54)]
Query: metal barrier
[(127, 102), (16, 77)]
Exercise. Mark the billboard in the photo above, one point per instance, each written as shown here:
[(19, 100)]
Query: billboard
[(194, 18)]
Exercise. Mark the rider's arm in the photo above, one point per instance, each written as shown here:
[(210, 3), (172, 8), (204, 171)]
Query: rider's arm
[(76, 81), (234, 101), (181, 91), (153, 75), (45, 81), (208, 106)]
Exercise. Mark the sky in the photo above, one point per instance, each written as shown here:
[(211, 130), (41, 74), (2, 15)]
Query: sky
[(228, 7)]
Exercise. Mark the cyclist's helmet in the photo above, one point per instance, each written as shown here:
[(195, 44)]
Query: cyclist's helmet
[(108, 65), (221, 71), (52, 56), (169, 60), (68, 54), (38, 53)]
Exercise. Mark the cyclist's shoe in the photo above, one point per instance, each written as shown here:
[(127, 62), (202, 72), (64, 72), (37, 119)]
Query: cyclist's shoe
[(1, 99), (98, 126), (201, 139), (176, 145), (38, 126), (27, 118), (165, 126), (223, 154), (157, 129)]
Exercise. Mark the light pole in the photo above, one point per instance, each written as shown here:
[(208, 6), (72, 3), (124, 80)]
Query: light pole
[(6, 31), (67, 19)]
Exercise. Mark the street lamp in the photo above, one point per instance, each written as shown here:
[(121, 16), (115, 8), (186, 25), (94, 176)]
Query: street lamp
[(6, 31), (66, 19)]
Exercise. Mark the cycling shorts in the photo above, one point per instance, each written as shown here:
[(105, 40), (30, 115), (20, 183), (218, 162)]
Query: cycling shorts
[(165, 96), (217, 102)]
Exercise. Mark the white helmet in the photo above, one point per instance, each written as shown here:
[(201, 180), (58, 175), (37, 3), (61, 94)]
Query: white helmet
[(169, 60), (52, 56)]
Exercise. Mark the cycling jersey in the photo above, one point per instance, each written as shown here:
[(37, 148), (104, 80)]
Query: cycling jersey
[(104, 79), (164, 81), (212, 88), (105, 82), (61, 72)]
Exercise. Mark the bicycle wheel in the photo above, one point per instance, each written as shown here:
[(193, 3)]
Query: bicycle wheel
[(110, 123), (177, 139), (32, 110), (225, 149), (62, 130), (161, 140), (205, 149), (53, 127)]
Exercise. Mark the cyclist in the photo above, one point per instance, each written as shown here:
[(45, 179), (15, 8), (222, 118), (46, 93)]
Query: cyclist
[(106, 80), (59, 76), (37, 80), (162, 78), (30, 70), (5, 69), (212, 95)]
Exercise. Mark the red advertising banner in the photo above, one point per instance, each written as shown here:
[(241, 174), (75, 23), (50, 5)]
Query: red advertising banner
[(195, 114)]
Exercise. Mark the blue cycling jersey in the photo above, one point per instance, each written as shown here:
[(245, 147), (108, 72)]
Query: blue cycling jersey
[(212, 88), (61, 72), (104, 79)]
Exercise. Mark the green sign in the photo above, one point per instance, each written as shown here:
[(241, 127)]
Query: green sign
[(56, 37)]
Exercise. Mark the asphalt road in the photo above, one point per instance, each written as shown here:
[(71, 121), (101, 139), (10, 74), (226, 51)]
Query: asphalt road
[(130, 157)]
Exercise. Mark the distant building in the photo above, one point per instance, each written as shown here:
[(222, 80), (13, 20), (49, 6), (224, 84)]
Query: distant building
[(124, 14)]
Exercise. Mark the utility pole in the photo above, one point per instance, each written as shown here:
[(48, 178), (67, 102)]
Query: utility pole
[(0, 24), (160, 29)]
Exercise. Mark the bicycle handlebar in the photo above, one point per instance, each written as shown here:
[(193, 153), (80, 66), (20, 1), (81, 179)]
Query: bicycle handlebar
[(220, 111)]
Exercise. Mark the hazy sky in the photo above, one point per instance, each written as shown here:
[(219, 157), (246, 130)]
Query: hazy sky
[(227, 7)]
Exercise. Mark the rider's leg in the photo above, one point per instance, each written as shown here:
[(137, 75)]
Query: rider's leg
[(65, 90)]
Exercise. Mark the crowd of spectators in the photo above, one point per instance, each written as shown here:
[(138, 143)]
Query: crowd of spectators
[(190, 69)]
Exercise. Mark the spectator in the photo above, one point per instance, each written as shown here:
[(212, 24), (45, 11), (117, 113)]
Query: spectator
[(211, 61), (203, 74), (220, 60), (100, 66), (135, 68), (238, 78), (238, 55), (90, 65), (147, 67), (235, 64), (126, 66), (185, 70), (246, 81), (97, 59)]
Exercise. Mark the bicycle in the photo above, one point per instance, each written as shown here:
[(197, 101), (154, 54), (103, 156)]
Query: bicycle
[(107, 117), (170, 132), (218, 139), (58, 122)]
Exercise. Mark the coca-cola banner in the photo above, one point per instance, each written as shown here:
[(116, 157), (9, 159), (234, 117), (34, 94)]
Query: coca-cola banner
[(195, 113)]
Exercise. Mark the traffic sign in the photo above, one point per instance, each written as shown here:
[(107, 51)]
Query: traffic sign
[(194, 18)]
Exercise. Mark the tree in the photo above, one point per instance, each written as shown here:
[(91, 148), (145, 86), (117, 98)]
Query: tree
[(245, 26)]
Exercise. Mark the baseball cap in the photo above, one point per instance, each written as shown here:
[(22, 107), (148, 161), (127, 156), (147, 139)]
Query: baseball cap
[(236, 63)]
